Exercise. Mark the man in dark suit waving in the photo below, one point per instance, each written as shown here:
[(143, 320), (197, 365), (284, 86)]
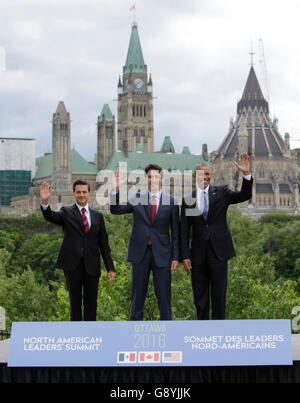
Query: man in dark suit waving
[(154, 213), (204, 212), (84, 237)]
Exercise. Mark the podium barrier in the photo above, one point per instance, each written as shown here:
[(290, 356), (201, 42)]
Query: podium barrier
[(150, 375), (162, 343)]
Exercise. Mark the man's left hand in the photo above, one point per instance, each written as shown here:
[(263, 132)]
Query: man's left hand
[(111, 276), (174, 265), (245, 164)]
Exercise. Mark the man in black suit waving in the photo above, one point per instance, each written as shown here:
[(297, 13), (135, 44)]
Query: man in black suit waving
[(150, 249), (84, 237), (204, 212)]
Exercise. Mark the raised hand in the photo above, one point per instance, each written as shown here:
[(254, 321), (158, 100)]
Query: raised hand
[(245, 164), (45, 193)]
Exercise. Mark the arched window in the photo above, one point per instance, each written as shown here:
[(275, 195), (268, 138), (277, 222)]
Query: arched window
[(145, 113), (133, 110), (261, 171)]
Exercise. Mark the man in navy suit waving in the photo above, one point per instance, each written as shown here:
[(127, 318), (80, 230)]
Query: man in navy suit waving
[(154, 214)]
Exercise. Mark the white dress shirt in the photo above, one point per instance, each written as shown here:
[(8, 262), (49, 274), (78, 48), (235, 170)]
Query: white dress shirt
[(87, 212), (157, 197)]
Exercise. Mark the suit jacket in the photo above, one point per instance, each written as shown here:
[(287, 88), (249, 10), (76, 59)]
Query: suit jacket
[(77, 244), (215, 228), (167, 217)]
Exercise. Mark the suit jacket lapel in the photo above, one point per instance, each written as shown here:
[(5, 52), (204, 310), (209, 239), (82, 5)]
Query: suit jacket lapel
[(145, 203), (78, 217), (211, 199)]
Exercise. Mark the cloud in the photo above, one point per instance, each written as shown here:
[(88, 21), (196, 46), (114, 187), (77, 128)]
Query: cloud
[(196, 51)]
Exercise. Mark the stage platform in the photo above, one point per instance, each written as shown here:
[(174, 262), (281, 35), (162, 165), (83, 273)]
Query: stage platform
[(152, 375)]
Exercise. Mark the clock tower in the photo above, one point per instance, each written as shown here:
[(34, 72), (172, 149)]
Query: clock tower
[(135, 108)]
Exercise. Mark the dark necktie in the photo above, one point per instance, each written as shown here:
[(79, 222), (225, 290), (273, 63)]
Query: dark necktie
[(85, 220), (205, 209), (153, 207)]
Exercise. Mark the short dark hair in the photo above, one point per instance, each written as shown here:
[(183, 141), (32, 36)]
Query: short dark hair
[(153, 167), (80, 182)]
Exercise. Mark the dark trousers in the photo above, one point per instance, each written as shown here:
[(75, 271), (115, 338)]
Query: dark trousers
[(162, 287), (83, 290), (210, 277)]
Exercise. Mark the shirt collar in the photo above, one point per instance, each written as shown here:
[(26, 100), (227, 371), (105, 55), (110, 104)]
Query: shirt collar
[(157, 195), (81, 207), (203, 190)]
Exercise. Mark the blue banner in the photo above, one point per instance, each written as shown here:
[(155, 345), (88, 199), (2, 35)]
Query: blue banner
[(161, 343)]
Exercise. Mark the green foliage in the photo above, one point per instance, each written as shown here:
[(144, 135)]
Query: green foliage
[(24, 299), (252, 296)]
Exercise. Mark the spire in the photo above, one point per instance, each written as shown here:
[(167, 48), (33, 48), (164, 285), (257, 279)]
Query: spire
[(106, 113), (167, 146), (134, 54), (61, 109), (252, 95)]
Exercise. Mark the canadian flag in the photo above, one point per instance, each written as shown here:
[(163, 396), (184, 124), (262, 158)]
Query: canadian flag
[(149, 356), (132, 7)]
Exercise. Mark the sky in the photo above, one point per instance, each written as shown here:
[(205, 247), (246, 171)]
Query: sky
[(197, 52)]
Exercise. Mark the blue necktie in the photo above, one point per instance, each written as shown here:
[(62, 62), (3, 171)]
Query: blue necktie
[(205, 209)]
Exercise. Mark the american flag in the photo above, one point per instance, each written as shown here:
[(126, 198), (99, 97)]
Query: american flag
[(172, 356)]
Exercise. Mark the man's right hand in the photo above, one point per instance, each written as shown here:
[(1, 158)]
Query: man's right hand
[(187, 264), (45, 193)]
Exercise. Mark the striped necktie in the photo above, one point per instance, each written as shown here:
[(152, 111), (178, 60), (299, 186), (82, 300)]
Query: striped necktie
[(85, 220)]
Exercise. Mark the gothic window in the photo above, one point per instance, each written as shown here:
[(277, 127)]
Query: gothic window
[(133, 110), (142, 132), (141, 110), (269, 202), (249, 119), (264, 201), (145, 114), (135, 132), (137, 110), (261, 172)]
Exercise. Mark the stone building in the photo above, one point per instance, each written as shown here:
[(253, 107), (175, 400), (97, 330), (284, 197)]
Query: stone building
[(135, 108), (273, 164)]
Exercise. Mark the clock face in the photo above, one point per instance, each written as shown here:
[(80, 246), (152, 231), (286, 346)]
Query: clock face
[(138, 83)]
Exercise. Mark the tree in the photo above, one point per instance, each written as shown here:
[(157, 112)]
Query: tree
[(249, 297)]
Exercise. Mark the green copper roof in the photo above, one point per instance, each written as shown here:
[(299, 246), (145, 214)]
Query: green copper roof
[(139, 160), (134, 54), (106, 113), (167, 146), (186, 150), (78, 165)]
